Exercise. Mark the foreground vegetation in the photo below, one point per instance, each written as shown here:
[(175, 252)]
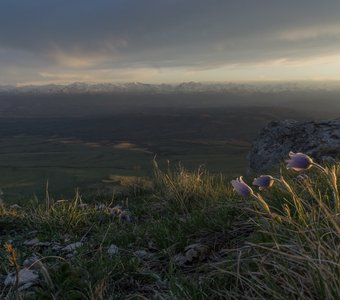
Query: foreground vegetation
[(186, 235)]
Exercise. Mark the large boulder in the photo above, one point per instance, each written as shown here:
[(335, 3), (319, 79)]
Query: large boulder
[(320, 140)]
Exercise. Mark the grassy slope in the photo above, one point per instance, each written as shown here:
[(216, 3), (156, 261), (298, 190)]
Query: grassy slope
[(189, 237), (29, 161)]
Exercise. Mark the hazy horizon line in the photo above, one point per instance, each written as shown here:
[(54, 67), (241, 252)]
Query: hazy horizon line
[(255, 81)]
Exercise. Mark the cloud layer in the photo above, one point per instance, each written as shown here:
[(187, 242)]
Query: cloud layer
[(168, 40)]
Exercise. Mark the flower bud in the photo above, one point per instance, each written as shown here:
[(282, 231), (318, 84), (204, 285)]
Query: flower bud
[(299, 161), (241, 187), (264, 181)]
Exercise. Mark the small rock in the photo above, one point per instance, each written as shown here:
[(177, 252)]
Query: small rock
[(113, 249), (32, 242), (36, 243), (25, 276), (125, 217), (152, 246), (82, 205), (179, 259), (67, 238), (15, 206), (28, 262), (43, 244), (142, 254), (195, 251), (26, 286), (61, 201), (57, 247), (72, 247), (33, 233), (115, 211), (192, 253)]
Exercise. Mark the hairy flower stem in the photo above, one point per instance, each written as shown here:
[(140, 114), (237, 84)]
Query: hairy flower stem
[(332, 179), (263, 203), (297, 201)]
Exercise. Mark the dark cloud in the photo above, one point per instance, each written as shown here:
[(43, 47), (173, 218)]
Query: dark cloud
[(108, 34)]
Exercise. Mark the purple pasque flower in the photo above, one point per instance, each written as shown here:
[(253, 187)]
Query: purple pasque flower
[(241, 187), (299, 161), (264, 181)]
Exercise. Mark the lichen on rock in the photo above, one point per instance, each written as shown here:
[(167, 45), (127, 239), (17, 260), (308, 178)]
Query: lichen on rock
[(321, 140)]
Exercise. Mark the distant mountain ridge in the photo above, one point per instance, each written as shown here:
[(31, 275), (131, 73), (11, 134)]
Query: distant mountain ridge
[(185, 87)]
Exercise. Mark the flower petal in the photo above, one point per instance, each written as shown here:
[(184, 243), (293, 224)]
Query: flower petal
[(241, 187)]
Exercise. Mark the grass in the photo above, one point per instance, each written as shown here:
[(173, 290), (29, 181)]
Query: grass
[(187, 236), (294, 251), (30, 161)]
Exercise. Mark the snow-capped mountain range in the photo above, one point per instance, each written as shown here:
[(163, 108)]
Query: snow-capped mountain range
[(185, 87)]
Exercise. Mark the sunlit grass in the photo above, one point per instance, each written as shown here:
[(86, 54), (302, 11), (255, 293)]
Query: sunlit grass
[(184, 191), (295, 250)]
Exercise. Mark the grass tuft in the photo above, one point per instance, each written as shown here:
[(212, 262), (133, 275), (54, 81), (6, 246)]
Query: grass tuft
[(187, 236)]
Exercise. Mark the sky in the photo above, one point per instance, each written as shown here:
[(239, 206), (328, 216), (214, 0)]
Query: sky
[(168, 41)]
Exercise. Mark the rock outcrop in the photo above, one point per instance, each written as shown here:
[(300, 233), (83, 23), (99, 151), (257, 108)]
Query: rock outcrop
[(320, 140)]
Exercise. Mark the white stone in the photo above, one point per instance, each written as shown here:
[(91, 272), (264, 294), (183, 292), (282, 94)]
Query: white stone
[(43, 244), (82, 205), (142, 254), (113, 249), (26, 286), (25, 276), (32, 242), (15, 206), (72, 247), (28, 262), (56, 247)]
